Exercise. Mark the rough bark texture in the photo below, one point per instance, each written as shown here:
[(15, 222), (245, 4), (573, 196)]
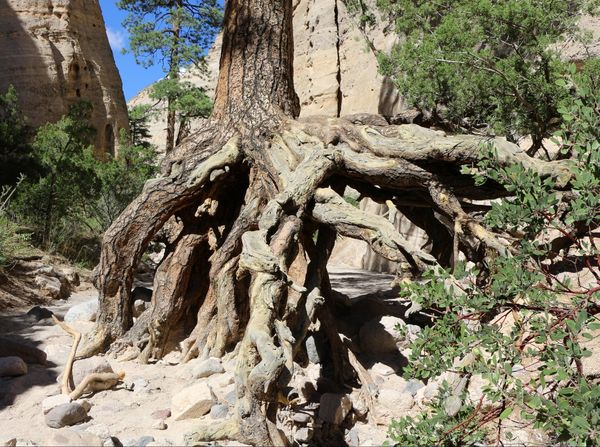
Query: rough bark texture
[(247, 196)]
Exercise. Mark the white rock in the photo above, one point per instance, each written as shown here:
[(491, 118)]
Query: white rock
[(192, 402), (54, 401), (82, 368), (334, 408), (12, 366), (206, 368), (396, 403), (83, 312)]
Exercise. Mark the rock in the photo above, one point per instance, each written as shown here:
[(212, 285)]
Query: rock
[(77, 64), (382, 369), (139, 306), (312, 349), (396, 403), (111, 442), (139, 384), (452, 405), (334, 408), (231, 397), (301, 418), (10, 443), (66, 437), (192, 402), (12, 366), (54, 401), (412, 386), (65, 415), (28, 353), (82, 312), (40, 313), (161, 414), (24, 443), (219, 411), (352, 437), (82, 368), (159, 425), (359, 403), (57, 353), (303, 435), (206, 368), (382, 335), (71, 276), (52, 287), (144, 441), (475, 390)]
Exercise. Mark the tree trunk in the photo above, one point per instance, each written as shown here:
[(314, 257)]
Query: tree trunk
[(243, 199)]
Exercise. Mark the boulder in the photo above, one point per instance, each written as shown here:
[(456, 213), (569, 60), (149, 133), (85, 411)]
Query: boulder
[(65, 415), (82, 368), (386, 335), (39, 313), (303, 435), (591, 364), (28, 353), (206, 368), (192, 402), (66, 437), (395, 403), (52, 402), (83, 312), (219, 411), (334, 408), (52, 287), (12, 366)]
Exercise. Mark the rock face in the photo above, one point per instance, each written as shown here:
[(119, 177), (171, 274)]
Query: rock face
[(55, 53)]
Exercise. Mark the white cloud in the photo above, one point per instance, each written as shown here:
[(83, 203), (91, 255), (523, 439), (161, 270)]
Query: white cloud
[(116, 38)]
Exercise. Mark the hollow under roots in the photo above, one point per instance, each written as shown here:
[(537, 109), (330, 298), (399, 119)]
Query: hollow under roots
[(253, 217)]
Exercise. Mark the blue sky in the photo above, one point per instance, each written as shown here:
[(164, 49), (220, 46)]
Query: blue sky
[(135, 77)]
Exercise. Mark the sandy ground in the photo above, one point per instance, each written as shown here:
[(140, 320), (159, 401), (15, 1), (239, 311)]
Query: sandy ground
[(123, 413)]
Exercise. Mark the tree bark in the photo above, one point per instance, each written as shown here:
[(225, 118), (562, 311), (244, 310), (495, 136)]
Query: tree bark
[(248, 192)]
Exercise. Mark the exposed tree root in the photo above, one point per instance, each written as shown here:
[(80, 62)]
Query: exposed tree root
[(245, 269), (90, 383)]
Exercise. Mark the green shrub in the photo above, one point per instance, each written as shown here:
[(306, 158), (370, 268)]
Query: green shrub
[(13, 242), (545, 316)]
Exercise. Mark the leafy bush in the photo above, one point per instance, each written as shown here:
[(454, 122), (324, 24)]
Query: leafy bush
[(76, 196), (484, 65), (519, 318), (13, 242)]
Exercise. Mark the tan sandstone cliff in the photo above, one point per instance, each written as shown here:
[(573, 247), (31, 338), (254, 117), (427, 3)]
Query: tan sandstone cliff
[(56, 52)]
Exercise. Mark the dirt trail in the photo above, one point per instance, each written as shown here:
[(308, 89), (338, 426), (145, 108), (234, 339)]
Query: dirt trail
[(122, 413)]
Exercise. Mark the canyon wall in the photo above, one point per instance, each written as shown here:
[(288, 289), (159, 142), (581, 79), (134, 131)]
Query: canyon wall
[(55, 53)]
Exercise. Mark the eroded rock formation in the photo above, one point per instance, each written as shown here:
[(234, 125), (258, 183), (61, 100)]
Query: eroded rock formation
[(56, 52)]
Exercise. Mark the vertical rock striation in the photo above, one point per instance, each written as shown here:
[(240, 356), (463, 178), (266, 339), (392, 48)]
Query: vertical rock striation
[(55, 53)]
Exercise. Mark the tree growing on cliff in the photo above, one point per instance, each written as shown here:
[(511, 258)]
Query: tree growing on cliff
[(254, 202), (175, 34)]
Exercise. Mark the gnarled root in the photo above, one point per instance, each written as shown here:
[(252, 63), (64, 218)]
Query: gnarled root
[(245, 264), (90, 383)]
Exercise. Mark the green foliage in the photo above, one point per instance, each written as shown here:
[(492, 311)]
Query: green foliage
[(484, 64), (15, 137), (120, 180), (13, 242), (77, 196), (519, 321), (188, 100), (49, 202)]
